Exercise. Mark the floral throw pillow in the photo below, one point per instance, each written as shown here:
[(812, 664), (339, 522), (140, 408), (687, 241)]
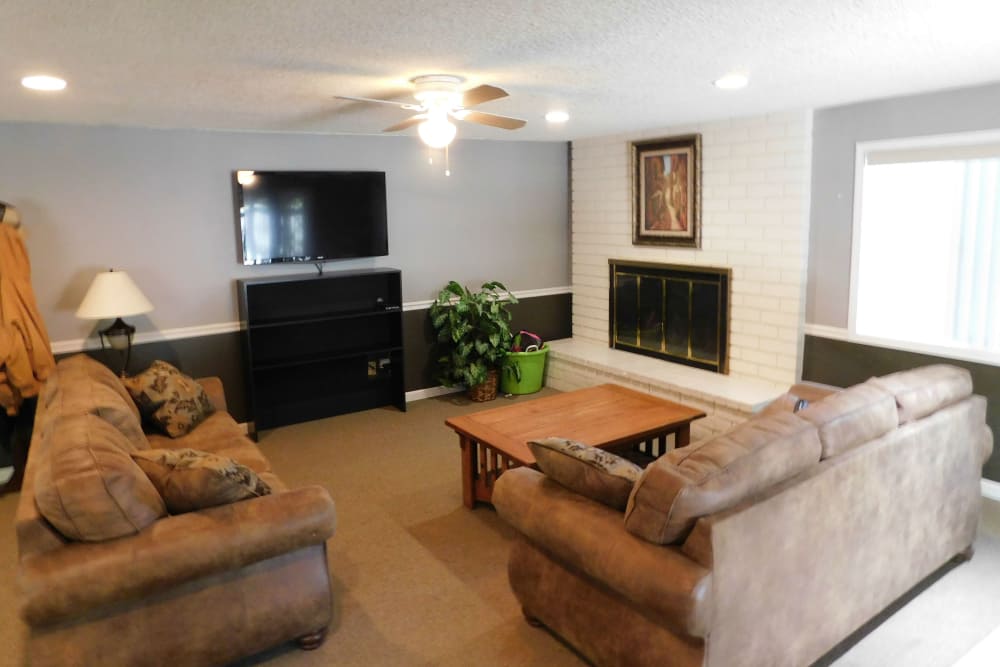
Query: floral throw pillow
[(171, 401), (188, 479), (589, 471)]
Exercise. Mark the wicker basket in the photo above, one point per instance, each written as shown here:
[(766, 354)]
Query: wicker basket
[(485, 391)]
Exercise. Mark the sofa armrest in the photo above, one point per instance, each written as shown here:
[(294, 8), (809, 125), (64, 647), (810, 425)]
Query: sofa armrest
[(590, 538), (68, 582), (216, 392), (812, 391)]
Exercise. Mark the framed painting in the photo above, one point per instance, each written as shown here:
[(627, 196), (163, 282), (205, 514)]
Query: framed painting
[(666, 186)]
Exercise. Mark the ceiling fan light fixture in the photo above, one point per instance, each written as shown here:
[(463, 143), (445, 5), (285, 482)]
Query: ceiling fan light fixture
[(438, 90), (557, 116), (437, 132), (732, 81), (440, 101)]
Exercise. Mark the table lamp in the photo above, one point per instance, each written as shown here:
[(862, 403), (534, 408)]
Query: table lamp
[(114, 294)]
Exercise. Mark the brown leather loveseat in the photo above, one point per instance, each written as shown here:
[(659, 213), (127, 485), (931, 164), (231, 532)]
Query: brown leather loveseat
[(767, 545), (204, 587)]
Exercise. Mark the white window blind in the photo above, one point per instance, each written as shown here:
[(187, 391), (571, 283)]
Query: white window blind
[(927, 243)]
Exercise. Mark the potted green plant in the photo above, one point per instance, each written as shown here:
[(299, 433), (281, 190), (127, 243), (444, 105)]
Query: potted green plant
[(473, 334)]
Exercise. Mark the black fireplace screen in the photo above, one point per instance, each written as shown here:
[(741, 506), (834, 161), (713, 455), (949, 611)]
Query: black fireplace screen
[(677, 313)]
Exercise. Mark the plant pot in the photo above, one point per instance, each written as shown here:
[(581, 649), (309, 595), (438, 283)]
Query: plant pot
[(530, 366), (485, 391)]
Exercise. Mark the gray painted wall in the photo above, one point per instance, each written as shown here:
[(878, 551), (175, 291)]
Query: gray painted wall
[(159, 204), (835, 132)]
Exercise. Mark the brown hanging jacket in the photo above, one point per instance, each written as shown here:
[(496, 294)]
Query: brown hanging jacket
[(25, 354)]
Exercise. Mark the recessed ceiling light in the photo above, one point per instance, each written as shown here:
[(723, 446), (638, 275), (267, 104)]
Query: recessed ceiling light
[(557, 116), (732, 81), (43, 82)]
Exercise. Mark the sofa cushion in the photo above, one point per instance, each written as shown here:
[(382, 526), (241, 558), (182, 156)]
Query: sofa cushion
[(215, 426), (81, 365), (921, 391), (589, 471), (787, 402), (173, 402), (711, 475), (852, 417), (218, 434), (79, 394), (88, 486), (190, 480), (243, 451), (798, 396), (812, 391)]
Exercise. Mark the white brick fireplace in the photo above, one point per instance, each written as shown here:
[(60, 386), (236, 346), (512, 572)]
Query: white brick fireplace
[(755, 220)]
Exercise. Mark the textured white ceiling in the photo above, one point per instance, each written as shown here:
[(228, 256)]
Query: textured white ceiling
[(615, 65)]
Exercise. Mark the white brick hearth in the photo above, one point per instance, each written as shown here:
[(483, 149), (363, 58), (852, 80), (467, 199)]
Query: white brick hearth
[(727, 400), (755, 220)]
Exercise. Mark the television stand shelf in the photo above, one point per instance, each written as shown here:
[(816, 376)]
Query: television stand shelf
[(321, 345)]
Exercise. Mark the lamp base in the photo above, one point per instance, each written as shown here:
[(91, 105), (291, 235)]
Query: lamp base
[(118, 337)]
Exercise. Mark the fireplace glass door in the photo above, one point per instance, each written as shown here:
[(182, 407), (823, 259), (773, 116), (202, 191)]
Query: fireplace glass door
[(677, 313)]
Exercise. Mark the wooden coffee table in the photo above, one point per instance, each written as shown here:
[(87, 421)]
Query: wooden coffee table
[(608, 416)]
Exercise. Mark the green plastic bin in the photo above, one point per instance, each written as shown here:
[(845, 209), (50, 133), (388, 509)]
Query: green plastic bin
[(531, 368)]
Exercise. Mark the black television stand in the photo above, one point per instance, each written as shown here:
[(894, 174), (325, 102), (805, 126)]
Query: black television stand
[(321, 345)]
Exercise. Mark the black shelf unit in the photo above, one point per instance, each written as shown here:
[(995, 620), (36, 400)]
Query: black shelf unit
[(320, 345)]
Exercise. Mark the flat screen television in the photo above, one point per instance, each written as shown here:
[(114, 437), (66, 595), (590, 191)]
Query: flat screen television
[(310, 216)]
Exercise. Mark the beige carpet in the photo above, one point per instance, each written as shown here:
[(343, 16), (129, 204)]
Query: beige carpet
[(421, 580)]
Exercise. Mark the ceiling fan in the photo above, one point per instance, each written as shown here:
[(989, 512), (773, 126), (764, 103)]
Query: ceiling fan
[(438, 100)]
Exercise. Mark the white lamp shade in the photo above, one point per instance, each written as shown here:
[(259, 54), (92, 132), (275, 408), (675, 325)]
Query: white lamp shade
[(112, 294)]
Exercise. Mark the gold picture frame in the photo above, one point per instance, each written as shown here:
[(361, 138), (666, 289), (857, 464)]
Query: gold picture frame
[(666, 188)]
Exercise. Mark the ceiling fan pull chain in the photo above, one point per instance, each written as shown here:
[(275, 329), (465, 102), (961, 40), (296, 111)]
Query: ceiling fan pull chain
[(447, 162)]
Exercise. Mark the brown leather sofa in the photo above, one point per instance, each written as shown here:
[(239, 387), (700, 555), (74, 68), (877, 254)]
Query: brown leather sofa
[(768, 545), (201, 588)]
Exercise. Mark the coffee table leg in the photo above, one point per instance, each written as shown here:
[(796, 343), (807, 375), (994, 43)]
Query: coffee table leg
[(468, 470), (682, 437)]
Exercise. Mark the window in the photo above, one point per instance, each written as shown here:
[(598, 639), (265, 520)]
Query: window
[(926, 262)]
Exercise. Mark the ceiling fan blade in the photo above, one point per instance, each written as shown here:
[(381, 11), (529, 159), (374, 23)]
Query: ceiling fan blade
[(409, 122), (401, 105), (481, 94), (491, 119)]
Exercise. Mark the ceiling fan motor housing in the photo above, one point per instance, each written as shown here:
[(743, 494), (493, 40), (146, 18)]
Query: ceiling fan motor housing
[(438, 90)]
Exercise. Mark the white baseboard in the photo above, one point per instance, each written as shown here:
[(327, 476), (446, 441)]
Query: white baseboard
[(415, 395), (991, 489), (431, 392)]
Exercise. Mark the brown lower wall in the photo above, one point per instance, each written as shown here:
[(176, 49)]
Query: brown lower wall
[(222, 354), (219, 355), (550, 317), (842, 364)]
